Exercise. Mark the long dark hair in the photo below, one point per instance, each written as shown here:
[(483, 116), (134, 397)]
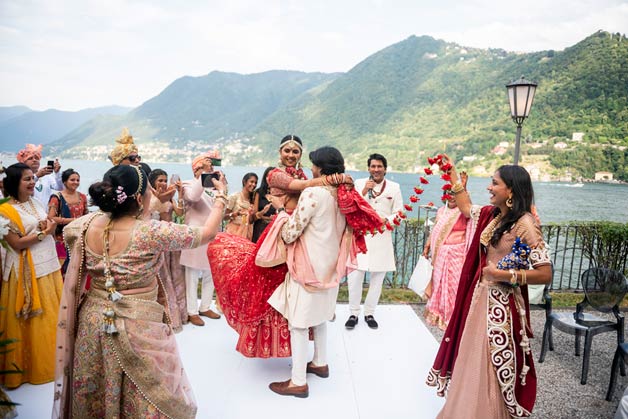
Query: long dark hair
[(263, 185), (246, 179), (518, 180), (11, 184), (328, 159), (118, 189)]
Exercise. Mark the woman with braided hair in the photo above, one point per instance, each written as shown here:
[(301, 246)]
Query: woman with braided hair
[(116, 356)]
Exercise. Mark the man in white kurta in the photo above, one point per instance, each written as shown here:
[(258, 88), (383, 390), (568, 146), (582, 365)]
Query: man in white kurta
[(385, 198), (314, 237)]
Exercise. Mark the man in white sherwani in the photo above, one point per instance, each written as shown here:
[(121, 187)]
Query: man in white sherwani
[(385, 198), (317, 247)]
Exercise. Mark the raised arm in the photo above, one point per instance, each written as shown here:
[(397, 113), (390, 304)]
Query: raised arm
[(459, 191)]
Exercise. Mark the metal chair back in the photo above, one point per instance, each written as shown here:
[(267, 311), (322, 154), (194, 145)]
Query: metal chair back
[(604, 288)]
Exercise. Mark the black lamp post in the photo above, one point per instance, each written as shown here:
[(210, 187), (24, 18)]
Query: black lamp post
[(520, 95)]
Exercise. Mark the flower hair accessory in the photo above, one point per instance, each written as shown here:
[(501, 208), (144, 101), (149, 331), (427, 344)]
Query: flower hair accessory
[(120, 195)]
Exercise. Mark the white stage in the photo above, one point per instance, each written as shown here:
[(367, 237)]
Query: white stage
[(374, 374)]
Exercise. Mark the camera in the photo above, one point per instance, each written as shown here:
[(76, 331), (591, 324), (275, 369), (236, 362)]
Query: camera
[(206, 179)]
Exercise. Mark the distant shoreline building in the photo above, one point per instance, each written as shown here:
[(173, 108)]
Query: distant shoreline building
[(603, 176)]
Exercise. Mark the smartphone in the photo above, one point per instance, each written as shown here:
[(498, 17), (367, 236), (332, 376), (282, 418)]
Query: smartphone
[(216, 162), (175, 178), (206, 179), (51, 164)]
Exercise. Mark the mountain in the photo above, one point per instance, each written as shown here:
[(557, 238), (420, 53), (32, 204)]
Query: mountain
[(423, 96), (8, 112), (412, 99), (42, 127), (213, 108)]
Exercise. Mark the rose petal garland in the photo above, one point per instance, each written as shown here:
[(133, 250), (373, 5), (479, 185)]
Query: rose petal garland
[(444, 168)]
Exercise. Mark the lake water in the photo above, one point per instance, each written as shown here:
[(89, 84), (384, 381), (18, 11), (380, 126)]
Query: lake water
[(556, 202)]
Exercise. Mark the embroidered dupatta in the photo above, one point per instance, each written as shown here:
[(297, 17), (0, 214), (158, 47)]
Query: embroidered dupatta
[(74, 290), (518, 398), (27, 302)]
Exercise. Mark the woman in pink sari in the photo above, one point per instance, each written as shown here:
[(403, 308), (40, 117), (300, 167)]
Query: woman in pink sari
[(448, 244), (116, 357)]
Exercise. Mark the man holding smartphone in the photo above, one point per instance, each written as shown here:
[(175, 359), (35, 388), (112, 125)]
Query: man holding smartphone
[(198, 196), (47, 178)]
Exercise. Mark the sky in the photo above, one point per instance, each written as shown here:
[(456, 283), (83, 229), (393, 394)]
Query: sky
[(76, 54)]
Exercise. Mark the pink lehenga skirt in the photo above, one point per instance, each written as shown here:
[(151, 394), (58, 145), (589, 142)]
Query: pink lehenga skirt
[(135, 372)]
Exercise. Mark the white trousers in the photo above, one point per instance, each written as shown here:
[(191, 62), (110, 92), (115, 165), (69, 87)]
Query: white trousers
[(191, 289), (355, 280), (299, 342)]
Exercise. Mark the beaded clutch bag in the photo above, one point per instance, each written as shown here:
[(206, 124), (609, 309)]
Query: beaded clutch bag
[(518, 258)]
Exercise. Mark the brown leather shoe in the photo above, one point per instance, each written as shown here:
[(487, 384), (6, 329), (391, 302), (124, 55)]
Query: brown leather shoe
[(196, 320), (282, 388), (322, 371), (209, 313)]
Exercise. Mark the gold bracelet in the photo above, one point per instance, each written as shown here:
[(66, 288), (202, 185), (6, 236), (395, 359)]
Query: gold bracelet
[(457, 188), (523, 277), (513, 276)]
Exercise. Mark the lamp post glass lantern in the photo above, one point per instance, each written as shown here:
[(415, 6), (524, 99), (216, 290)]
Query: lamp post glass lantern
[(520, 95)]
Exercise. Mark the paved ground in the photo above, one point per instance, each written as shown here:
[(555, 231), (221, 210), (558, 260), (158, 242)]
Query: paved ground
[(560, 394)]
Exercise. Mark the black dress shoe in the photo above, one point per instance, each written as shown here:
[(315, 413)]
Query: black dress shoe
[(350, 324), (370, 320)]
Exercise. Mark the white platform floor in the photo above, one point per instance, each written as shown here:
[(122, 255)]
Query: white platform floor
[(374, 374)]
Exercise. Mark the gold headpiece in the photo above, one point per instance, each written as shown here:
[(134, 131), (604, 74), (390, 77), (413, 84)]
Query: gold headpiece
[(291, 142), (123, 148)]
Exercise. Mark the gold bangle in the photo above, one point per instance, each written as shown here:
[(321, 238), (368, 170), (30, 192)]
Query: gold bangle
[(523, 277), (513, 276), (457, 188)]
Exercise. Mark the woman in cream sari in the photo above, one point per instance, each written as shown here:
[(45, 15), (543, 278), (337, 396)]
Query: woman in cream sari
[(116, 357)]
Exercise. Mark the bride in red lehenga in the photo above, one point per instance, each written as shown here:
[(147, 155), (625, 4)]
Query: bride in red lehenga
[(243, 288)]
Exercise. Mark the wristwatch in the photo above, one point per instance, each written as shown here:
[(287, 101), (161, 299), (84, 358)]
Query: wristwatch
[(41, 235)]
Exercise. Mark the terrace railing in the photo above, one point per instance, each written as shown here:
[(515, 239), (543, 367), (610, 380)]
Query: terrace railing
[(564, 240)]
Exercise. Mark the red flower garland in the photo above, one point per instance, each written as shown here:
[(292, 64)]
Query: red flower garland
[(444, 168)]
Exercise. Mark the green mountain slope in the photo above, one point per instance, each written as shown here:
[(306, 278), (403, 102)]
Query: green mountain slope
[(414, 98), (212, 108), (422, 96)]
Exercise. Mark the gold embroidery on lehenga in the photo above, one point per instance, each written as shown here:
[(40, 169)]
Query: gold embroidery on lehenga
[(540, 254), (502, 351)]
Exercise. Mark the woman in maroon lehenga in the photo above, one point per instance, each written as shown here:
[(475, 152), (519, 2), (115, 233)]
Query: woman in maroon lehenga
[(484, 361), (242, 287)]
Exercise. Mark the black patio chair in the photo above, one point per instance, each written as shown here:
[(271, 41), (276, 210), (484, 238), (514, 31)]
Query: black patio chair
[(619, 361), (604, 289)]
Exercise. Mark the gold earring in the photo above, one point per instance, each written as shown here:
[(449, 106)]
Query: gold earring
[(509, 202)]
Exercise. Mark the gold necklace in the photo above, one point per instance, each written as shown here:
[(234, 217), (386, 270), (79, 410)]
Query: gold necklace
[(30, 209)]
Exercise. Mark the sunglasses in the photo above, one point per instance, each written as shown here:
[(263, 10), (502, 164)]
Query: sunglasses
[(134, 157)]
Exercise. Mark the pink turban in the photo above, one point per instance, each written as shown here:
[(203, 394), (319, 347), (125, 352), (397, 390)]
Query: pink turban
[(30, 151), (200, 159)]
